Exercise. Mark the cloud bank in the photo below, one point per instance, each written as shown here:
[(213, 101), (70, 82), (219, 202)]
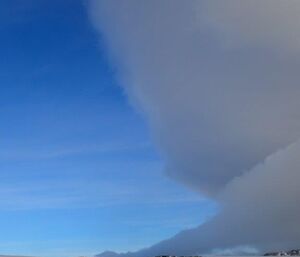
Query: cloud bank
[(218, 84)]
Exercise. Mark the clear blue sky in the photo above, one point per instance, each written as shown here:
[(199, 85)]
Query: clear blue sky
[(79, 171)]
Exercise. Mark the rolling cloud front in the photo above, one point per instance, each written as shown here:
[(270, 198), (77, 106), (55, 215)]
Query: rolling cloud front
[(218, 83)]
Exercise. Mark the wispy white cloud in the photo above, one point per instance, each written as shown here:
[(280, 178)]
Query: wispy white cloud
[(62, 194), (42, 152)]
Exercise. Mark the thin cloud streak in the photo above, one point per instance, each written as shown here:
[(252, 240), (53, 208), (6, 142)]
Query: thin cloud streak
[(43, 154), (87, 194)]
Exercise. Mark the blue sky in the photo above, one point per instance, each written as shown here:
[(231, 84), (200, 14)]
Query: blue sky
[(79, 171)]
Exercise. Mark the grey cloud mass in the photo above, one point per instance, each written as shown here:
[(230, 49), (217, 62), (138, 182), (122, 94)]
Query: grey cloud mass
[(219, 84)]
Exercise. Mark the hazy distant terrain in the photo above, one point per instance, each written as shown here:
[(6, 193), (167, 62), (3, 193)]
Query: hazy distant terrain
[(14, 256)]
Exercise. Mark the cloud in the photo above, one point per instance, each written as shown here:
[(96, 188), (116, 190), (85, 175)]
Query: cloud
[(218, 84), (262, 23)]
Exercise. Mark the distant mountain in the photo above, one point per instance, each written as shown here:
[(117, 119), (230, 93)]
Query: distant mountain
[(295, 252), (106, 254)]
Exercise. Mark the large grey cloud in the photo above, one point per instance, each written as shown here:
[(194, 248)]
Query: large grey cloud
[(218, 83)]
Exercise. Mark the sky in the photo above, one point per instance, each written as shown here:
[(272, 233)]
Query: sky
[(80, 172), (154, 127)]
